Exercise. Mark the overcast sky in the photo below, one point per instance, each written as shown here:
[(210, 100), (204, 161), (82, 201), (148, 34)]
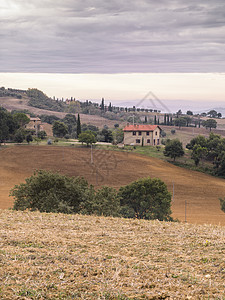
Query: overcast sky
[(84, 36), (115, 37)]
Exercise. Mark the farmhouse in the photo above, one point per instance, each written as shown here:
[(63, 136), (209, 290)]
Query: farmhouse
[(35, 124), (144, 135)]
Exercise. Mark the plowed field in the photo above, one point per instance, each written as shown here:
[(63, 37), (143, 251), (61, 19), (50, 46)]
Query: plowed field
[(198, 190)]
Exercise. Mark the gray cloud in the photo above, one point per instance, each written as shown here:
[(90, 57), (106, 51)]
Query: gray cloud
[(112, 37)]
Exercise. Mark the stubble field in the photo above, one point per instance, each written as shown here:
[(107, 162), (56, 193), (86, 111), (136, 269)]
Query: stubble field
[(56, 256), (199, 191)]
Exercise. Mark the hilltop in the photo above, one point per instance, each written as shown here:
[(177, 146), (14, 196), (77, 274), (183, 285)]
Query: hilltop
[(56, 256)]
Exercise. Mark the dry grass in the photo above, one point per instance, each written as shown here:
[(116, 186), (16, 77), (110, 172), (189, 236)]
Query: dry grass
[(50, 256)]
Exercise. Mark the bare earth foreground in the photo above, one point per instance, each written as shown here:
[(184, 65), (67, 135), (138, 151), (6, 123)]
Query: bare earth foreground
[(56, 256), (200, 191)]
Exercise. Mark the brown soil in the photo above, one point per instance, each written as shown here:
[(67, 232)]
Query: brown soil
[(200, 191)]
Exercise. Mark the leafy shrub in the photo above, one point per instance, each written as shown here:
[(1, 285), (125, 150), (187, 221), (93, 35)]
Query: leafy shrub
[(146, 199), (105, 202), (173, 131), (51, 192)]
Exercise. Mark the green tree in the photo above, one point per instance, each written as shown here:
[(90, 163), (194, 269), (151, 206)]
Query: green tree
[(49, 119), (189, 113), (118, 136), (50, 192), (78, 126), (8, 125), (173, 149), (87, 137), (199, 140), (107, 135), (29, 138), (180, 122), (198, 153), (42, 134), (210, 123), (21, 118), (212, 113), (71, 122), (59, 129), (146, 198), (74, 107), (19, 136), (105, 202)]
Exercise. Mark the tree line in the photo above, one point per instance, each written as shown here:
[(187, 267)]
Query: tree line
[(146, 198)]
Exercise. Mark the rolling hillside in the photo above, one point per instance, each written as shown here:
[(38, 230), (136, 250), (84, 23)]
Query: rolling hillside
[(200, 191), (21, 104)]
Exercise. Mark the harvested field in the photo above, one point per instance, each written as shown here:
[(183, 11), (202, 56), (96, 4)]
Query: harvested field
[(200, 191), (56, 256)]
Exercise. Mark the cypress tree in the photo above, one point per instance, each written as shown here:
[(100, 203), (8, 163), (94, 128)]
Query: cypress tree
[(164, 119), (78, 125), (102, 105), (155, 121), (168, 120)]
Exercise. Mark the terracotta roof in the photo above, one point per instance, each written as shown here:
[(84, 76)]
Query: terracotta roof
[(140, 127)]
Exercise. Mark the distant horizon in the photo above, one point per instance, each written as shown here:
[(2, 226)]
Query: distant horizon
[(195, 91)]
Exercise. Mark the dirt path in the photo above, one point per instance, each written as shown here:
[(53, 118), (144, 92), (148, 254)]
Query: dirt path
[(200, 191)]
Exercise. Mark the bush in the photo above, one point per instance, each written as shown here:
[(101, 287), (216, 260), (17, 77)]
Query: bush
[(163, 133), (173, 131), (145, 199), (42, 134), (105, 202), (51, 192)]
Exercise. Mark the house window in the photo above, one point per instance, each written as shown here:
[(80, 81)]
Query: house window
[(157, 141), (148, 141), (154, 142), (139, 133), (134, 132), (147, 133), (138, 141), (156, 133)]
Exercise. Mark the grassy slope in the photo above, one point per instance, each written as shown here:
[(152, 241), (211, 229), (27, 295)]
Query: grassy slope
[(49, 256)]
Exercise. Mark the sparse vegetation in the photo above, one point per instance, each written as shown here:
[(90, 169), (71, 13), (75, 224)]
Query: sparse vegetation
[(49, 256)]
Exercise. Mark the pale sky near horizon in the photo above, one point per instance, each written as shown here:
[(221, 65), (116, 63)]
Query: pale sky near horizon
[(115, 49)]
